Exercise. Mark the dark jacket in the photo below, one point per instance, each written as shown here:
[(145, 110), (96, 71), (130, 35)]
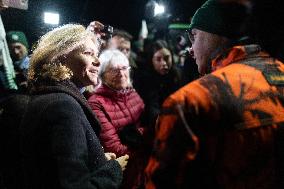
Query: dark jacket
[(13, 107), (58, 142), (154, 89)]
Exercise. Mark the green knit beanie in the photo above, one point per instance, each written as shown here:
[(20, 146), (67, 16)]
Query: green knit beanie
[(224, 19), (17, 37)]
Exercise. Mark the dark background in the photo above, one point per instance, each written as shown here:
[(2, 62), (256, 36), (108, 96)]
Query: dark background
[(122, 14)]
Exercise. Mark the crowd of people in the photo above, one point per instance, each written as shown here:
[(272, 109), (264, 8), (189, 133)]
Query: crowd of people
[(83, 111)]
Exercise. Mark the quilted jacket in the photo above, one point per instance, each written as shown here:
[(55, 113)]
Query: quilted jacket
[(116, 110)]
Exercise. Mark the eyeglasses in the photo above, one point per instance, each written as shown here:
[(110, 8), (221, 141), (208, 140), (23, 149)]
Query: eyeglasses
[(190, 35), (115, 71)]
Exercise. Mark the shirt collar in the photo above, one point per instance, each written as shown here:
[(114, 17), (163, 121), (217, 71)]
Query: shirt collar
[(235, 54)]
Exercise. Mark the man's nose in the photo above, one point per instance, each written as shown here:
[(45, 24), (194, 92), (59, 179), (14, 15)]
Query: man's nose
[(17, 51)]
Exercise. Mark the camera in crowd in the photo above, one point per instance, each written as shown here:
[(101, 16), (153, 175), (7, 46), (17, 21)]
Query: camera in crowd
[(108, 31), (178, 39)]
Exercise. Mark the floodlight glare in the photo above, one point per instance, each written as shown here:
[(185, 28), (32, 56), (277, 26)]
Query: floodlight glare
[(158, 9), (51, 18)]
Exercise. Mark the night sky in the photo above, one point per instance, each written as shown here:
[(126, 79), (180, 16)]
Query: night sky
[(122, 14)]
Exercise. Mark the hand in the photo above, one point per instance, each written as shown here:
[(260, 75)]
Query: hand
[(96, 27), (2, 6), (123, 160), (110, 156)]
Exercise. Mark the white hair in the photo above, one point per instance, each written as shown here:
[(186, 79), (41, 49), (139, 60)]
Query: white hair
[(112, 57)]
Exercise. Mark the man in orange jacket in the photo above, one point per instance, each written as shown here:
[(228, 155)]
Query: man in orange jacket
[(223, 130)]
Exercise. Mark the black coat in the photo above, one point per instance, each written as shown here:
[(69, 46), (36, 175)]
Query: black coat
[(59, 144), (154, 89), (12, 110)]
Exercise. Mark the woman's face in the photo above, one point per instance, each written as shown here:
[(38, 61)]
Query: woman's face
[(117, 75), (84, 64), (162, 61)]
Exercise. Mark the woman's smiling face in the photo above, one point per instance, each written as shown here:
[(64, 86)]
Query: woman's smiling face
[(84, 64)]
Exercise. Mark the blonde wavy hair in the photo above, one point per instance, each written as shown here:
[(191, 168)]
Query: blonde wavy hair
[(47, 60)]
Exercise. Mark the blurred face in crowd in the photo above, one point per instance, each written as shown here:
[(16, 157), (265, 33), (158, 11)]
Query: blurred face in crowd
[(18, 51), (117, 75), (204, 47), (162, 61), (121, 44), (84, 64)]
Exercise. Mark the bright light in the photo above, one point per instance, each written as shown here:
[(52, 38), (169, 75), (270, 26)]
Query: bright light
[(159, 9), (51, 18)]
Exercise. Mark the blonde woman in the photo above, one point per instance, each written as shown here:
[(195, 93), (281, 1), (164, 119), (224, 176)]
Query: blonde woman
[(59, 143)]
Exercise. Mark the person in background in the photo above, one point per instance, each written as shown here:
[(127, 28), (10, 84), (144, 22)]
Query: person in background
[(181, 48), (59, 147), (121, 40), (7, 73), (19, 48), (224, 130), (119, 109), (156, 79)]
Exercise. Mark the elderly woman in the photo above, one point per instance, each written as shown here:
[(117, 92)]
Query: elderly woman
[(59, 143), (119, 108)]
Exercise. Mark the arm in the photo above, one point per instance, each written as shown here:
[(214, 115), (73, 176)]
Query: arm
[(69, 136), (175, 160), (109, 137), (169, 159)]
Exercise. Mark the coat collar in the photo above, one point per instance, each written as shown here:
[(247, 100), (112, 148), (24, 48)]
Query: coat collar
[(67, 87), (237, 53), (105, 90)]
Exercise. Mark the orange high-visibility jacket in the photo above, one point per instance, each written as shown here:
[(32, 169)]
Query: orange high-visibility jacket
[(224, 130)]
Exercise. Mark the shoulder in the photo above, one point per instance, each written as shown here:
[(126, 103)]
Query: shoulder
[(192, 90), (212, 88), (134, 96), (98, 98), (55, 98), (57, 102)]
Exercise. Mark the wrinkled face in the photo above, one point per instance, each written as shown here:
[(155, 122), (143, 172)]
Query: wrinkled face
[(204, 46), (162, 61), (121, 44), (18, 51), (84, 64), (117, 75)]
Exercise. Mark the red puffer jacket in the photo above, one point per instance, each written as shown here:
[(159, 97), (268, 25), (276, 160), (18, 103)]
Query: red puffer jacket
[(116, 109)]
